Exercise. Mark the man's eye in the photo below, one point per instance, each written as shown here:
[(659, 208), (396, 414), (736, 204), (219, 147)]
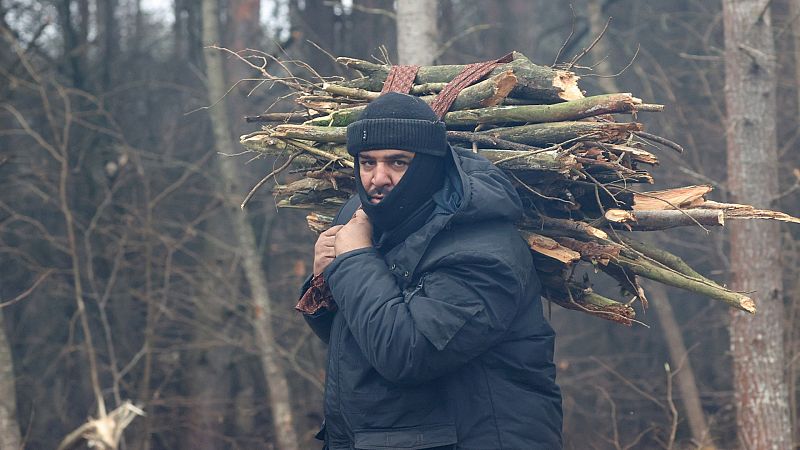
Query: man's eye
[(400, 163), (367, 163)]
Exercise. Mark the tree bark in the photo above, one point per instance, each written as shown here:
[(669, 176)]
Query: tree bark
[(546, 134), (416, 32), (574, 110), (761, 394), (275, 378), (663, 220), (9, 428)]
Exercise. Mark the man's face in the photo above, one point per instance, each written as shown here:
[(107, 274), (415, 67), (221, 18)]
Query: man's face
[(381, 170)]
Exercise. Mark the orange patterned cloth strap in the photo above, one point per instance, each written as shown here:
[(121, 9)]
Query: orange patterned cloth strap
[(469, 75), (400, 79)]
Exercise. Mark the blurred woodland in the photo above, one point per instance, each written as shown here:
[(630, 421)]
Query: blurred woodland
[(131, 282)]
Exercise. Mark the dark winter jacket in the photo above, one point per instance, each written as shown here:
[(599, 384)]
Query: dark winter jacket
[(440, 341)]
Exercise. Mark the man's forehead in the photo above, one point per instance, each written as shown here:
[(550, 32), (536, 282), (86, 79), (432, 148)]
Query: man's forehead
[(386, 154)]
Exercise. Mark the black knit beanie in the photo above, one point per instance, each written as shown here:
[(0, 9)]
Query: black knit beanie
[(400, 122)]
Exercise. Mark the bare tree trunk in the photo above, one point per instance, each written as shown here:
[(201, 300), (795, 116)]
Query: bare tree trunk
[(794, 14), (679, 356), (9, 428), (109, 37), (761, 393), (275, 377), (417, 35), (602, 50)]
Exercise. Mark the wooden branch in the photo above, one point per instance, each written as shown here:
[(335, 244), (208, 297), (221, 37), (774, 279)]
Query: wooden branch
[(571, 228), (559, 112), (662, 256), (660, 140), (591, 251), (544, 134), (578, 298), (311, 133), (635, 154), (517, 160), (647, 269), (488, 141), (298, 116), (736, 211), (534, 81), (319, 222), (627, 280), (105, 432), (486, 93), (663, 220), (550, 248), (683, 197), (363, 94)]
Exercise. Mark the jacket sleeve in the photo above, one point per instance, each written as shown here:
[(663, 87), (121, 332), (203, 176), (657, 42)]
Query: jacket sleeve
[(463, 307), (321, 321)]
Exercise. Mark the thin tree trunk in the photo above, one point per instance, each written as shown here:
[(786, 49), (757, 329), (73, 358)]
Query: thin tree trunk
[(602, 49), (275, 378), (794, 15), (761, 394), (9, 428), (679, 357), (416, 32)]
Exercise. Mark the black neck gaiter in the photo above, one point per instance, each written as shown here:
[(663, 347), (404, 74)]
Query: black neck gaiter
[(424, 176)]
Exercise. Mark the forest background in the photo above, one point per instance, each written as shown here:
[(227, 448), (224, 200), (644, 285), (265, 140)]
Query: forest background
[(124, 275)]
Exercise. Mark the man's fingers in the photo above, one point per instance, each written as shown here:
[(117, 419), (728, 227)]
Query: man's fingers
[(332, 230), (360, 216)]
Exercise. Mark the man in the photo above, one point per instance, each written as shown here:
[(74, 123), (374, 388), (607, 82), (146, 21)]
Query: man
[(428, 299)]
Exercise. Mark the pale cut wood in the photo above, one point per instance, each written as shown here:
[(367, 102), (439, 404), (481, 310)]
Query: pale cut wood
[(683, 197), (736, 211), (619, 216), (103, 433), (636, 154), (550, 248)]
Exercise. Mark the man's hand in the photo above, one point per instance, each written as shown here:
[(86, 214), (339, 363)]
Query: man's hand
[(355, 234), (324, 251)]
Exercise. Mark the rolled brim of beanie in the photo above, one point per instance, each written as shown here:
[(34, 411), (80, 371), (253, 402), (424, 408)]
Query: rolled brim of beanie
[(414, 135)]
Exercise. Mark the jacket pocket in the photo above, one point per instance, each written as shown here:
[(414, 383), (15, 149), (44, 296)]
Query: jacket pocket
[(414, 438)]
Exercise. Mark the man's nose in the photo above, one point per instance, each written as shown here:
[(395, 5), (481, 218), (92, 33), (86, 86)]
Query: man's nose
[(381, 176)]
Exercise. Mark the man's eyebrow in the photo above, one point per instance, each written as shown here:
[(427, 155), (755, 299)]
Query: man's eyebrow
[(398, 157)]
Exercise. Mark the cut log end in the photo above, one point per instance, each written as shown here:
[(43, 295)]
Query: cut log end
[(505, 83), (683, 197), (550, 248), (619, 216), (567, 83), (748, 305)]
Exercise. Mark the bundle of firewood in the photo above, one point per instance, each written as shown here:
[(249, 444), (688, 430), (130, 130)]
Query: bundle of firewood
[(574, 163)]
